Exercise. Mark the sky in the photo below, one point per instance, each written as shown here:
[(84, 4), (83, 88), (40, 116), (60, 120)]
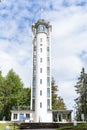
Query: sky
[(69, 40)]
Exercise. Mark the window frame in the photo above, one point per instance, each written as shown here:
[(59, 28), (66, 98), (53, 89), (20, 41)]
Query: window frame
[(15, 116)]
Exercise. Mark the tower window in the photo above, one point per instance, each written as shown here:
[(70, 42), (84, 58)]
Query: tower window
[(48, 92), (40, 81), (47, 49), (40, 59), (48, 59), (34, 72), (48, 81), (40, 92), (41, 44), (34, 61), (40, 39), (40, 49), (40, 104), (34, 48), (34, 81), (33, 104), (34, 92), (48, 71), (48, 104), (40, 70)]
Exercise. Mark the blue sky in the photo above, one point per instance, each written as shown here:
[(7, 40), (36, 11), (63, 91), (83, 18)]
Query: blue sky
[(69, 40)]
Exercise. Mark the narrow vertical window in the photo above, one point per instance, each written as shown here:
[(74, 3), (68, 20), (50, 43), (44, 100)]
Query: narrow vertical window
[(41, 44), (40, 81), (47, 49), (40, 92), (40, 70), (48, 104), (40, 104), (40, 59), (34, 48), (40, 49), (48, 59), (48, 70), (33, 104), (40, 39), (48, 81), (48, 92), (34, 92)]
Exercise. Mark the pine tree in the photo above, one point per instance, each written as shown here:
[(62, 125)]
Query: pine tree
[(57, 101), (81, 100)]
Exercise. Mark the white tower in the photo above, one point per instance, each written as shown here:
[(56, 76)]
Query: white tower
[(41, 74)]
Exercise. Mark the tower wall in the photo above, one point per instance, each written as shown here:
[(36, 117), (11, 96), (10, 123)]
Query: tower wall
[(41, 79)]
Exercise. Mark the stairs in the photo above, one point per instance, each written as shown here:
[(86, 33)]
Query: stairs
[(43, 125)]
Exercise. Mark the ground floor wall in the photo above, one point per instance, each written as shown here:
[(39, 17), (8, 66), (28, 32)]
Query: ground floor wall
[(22, 115), (50, 116), (43, 117)]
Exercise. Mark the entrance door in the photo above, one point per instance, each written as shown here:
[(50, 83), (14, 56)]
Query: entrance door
[(21, 117)]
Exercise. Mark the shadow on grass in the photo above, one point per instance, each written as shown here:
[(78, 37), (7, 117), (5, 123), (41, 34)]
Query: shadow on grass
[(78, 127)]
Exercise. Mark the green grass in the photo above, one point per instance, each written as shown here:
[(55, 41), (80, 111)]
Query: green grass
[(12, 127), (78, 127)]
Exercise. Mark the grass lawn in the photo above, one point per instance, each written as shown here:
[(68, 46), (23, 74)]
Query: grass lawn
[(12, 127), (78, 127)]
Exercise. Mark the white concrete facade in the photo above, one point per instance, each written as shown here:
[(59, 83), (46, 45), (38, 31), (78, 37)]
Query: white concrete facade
[(41, 74)]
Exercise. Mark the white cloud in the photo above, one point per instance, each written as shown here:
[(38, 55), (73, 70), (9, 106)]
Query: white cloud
[(18, 57), (69, 41), (67, 90)]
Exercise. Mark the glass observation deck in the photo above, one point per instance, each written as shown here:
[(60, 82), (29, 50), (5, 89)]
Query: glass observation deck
[(41, 28)]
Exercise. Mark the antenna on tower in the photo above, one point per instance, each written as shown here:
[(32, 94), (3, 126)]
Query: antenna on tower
[(41, 13)]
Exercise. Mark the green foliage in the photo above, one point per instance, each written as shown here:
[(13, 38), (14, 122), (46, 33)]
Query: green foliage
[(81, 101), (54, 94), (25, 98), (11, 126), (57, 101), (12, 94)]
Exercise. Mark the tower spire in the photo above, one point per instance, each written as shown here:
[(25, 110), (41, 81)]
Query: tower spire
[(41, 13)]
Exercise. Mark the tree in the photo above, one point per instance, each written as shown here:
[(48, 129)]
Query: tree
[(57, 101), (1, 94), (25, 98), (81, 100), (10, 92), (13, 95), (54, 93)]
